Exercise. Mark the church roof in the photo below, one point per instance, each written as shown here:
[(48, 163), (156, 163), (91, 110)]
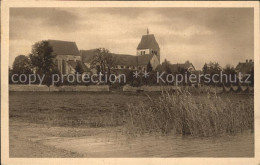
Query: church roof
[(144, 59), (64, 47), (120, 59), (124, 59), (148, 41)]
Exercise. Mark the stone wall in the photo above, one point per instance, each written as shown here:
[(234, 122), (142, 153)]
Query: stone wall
[(91, 88), (36, 88), (29, 88), (128, 88)]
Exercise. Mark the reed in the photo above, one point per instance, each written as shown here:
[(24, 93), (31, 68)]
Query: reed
[(185, 114)]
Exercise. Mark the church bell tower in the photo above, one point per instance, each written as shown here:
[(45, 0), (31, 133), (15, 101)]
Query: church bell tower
[(148, 45)]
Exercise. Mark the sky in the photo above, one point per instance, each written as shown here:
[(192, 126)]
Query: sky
[(200, 35)]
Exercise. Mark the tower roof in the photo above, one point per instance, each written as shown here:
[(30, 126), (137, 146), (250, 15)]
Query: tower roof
[(148, 42)]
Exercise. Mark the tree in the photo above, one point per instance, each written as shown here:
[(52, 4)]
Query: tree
[(10, 73), (205, 68), (212, 69), (43, 61), (164, 67), (230, 75), (79, 68), (22, 65), (149, 67), (103, 61), (251, 78)]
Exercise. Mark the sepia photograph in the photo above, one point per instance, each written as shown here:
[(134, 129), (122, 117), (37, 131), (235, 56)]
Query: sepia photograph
[(137, 81)]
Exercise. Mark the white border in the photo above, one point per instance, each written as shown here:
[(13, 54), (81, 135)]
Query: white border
[(4, 84)]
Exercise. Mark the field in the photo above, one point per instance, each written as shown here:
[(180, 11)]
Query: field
[(72, 109), (67, 124)]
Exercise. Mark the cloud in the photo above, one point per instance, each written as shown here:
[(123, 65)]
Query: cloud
[(32, 21), (199, 35)]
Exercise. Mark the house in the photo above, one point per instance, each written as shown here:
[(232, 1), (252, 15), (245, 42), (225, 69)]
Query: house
[(177, 68), (187, 66), (67, 55), (244, 68)]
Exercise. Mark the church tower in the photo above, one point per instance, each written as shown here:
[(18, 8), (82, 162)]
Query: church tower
[(148, 45)]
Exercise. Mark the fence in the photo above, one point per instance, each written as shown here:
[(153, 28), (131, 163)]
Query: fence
[(203, 89)]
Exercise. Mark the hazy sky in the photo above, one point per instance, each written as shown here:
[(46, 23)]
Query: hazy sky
[(199, 35)]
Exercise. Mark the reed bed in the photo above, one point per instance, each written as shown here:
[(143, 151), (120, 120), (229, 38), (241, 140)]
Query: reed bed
[(182, 113)]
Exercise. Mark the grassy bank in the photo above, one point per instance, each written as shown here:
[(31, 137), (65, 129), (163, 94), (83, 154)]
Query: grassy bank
[(185, 114), (181, 113)]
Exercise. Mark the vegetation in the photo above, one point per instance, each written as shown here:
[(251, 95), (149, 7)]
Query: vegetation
[(180, 113), (43, 61), (185, 114), (103, 61), (211, 69), (79, 68), (22, 65), (230, 70)]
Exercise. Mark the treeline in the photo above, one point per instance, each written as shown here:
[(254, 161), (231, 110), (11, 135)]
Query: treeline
[(41, 61)]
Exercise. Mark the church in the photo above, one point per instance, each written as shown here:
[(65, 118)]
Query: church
[(68, 55)]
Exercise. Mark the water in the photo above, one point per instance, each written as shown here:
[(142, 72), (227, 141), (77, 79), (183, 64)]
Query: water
[(241, 145)]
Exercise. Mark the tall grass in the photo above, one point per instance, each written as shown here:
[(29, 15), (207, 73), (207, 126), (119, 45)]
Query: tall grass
[(185, 114)]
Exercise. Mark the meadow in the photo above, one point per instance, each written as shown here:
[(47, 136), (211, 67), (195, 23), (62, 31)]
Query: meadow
[(139, 113), (72, 109)]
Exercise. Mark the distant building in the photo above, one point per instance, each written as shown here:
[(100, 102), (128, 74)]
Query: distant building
[(177, 68), (244, 67), (148, 53), (67, 55), (123, 61), (187, 66)]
